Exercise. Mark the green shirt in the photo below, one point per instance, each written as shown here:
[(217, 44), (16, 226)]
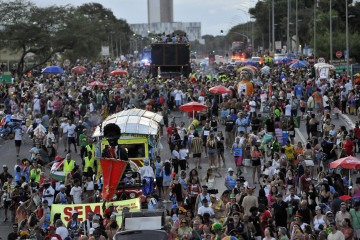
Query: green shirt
[(83, 138), (355, 215)]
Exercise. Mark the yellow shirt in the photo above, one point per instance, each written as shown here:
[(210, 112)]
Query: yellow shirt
[(289, 151)]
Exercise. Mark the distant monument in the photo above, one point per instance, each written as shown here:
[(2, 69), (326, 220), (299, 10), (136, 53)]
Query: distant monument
[(160, 11)]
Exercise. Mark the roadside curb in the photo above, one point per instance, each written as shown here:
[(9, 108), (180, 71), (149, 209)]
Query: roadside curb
[(301, 136), (350, 123)]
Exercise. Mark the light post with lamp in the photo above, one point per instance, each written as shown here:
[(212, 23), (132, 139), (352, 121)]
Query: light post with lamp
[(347, 37)]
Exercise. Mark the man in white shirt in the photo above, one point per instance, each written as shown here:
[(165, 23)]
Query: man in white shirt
[(63, 133), (326, 103), (71, 135), (76, 193), (36, 106), (18, 133), (147, 175), (61, 229), (48, 193), (205, 208), (335, 234)]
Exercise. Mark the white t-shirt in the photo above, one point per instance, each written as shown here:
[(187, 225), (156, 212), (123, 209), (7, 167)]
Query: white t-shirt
[(288, 110), (325, 101), (183, 153), (252, 104), (202, 99), (71, 130), (202, 210), (76, 193), (18, 134), (64, 126), (62, 231), (338, 235), (49, 105), (178, 96), (36, 104), (49, 191)]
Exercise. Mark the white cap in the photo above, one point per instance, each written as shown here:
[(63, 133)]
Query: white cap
[(74, 212), (230, 169), (62, 186)]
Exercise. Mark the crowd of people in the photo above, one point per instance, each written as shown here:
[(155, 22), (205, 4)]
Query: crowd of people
[(292, 193)]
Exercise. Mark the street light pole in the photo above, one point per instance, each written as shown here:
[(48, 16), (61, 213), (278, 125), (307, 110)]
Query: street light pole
[(273, 25), (288, 27), (315, 30), (347, 38), (296, 28), (331, 46)]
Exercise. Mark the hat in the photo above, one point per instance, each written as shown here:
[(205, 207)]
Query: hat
[(258, 141), (62, 186), (5, 166), (279, 195), (230, 169), (217, 226), (328, 213), (204, 186), (298, 215), (58, 158), (46, 181), (241, 179), (232, 195), (74, 212), (213, 195), (84, 130), (51, 228), (174, 206), (204, 200), (253, 209)]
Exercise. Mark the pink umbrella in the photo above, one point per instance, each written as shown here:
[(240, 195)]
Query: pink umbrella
[(220, 90), (97, 84), (79, 69), (349, 162), (118, 72)]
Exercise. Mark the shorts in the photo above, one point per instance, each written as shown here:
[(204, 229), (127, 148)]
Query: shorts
[(71, 140), (197, 155), (159, 181), (256, 162), (238, 160), (7, 204), (212, 151), (17, 143)]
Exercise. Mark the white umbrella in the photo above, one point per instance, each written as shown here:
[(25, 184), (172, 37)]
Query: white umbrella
[(265, 69)]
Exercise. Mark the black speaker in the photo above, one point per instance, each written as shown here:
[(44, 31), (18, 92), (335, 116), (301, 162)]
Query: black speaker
[(157, 57), (183, 54), (112, 133)]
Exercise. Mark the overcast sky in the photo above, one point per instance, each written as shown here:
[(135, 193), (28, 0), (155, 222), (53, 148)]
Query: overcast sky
[(214, 15)]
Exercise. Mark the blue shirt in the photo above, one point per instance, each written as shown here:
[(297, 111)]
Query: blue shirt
[(298, 90)]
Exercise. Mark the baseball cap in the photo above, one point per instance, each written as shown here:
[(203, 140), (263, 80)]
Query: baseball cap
[(230, 169), (5, 166), (74, 212)]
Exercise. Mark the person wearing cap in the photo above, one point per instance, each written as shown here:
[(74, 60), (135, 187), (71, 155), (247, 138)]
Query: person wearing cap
[(61, 197), (280, 211), (298, 221), (230, 180), (74, 224), (4, 175), (203, 195), (51, 234), (48, 193), (341, 215)]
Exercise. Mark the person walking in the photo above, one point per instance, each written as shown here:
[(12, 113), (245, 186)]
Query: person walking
[(196, 148)]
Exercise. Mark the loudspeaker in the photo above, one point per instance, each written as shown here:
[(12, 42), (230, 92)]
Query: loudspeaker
[(183, 54), (157, 57)]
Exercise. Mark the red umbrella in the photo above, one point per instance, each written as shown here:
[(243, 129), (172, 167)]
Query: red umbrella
[(220, 90), (349, 162), (97, 84), (118, 72), (192, 106), (252, 67), (79, 69), (345, 198)]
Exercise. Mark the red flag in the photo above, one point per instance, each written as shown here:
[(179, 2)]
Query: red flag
[(113, 171)]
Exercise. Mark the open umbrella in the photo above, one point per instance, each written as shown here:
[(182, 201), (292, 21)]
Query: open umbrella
[(53, 69), (252, 63), (220, 90), (349, 162), (299, 64), (345, 198), (97, 84), (192, 107), (78, 69), (118, 72), (265, 70)]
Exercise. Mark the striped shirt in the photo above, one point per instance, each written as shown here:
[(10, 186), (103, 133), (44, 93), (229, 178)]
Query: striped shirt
[(196, 145)]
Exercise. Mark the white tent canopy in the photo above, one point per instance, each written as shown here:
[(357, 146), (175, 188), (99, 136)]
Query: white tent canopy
[(133, 121)]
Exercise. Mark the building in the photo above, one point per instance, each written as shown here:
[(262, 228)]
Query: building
[(160, 11)]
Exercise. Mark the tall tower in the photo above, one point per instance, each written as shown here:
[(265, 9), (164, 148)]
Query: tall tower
[(160, 11)]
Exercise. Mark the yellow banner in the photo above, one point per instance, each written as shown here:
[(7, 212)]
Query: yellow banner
[(83, 209)]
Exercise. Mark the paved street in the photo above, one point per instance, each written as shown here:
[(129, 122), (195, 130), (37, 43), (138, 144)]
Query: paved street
[(8, 156)]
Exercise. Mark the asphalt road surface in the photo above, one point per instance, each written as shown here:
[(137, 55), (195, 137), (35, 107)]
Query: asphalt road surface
[(8, 157)]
